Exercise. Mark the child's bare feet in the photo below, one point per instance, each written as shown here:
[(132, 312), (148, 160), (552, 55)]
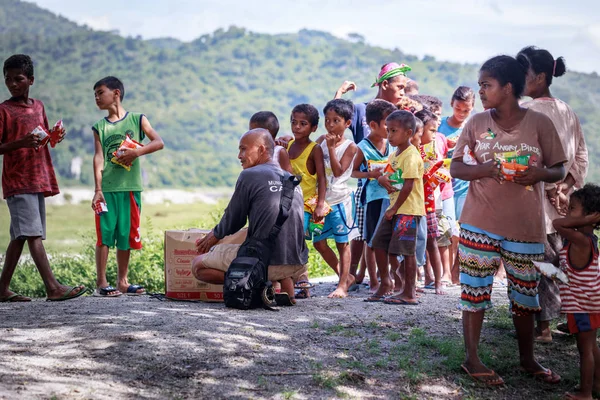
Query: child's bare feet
[(439, 289), (339, 293)]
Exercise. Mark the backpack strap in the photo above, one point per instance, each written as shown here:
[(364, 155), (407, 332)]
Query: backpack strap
[(289, 183)]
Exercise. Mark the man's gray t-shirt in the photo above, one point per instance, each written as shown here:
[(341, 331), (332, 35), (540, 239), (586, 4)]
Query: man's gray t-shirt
[(256, 199)]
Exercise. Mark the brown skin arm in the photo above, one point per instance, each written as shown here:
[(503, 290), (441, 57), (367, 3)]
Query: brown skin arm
[(156, 143), (98, 164), (465, 172), (402, 196), (533, 175), (580, 250), (284, 161), (317, 157), (339, 166), (29, 141)]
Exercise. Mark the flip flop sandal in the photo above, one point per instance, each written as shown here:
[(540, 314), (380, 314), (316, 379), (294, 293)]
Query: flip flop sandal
[(69, 294), (546, 376), (430, 286), (303, 285), (15, 298), (495, 379), (374, 299), (132, 290), (302, 294), (106, 292)]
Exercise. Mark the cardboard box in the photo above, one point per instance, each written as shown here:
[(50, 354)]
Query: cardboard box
[(180, 250)]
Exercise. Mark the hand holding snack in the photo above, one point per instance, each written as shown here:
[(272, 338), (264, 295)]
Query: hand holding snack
[(42, 136), (126, 153), (30, 141), (528, 177), (386, 183), (319, 212), (98, 198)]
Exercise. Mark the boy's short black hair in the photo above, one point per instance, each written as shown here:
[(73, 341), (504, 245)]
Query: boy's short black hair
[(589, 196), (378, 110), (405, 118), (429, 102), (310, 111), (418, 124), (506, 69), (426, 116), (19, 61), (266, 120), (464, 93), (342, 107), (112, 83)]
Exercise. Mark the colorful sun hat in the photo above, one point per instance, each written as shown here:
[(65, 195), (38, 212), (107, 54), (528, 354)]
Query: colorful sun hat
[(391, 70)]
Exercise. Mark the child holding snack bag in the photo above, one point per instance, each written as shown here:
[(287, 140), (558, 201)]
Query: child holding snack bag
[(118, 183), (369, 164), (27, 179), (306, 158)]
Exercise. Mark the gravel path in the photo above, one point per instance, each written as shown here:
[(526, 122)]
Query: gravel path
[(144, 348)]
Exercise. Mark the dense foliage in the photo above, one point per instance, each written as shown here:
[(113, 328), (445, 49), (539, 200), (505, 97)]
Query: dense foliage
[(200, 95)]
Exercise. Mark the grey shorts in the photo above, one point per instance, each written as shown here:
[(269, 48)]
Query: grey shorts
[(27, 215)]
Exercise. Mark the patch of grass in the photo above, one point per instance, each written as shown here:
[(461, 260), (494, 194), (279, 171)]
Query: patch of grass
[(335, 329), (325, 380), (499, 317), (393, 336), (288, 395), (315, 324), (352, 364), (373, 346)]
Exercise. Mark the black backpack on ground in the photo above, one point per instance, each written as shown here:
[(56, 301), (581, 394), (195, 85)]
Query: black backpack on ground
[(246, 281)]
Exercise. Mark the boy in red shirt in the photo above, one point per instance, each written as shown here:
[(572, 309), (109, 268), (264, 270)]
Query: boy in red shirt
[(27, 178)]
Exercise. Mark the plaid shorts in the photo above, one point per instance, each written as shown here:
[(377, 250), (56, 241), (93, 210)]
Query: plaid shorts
[(432, 226), (359, 213)]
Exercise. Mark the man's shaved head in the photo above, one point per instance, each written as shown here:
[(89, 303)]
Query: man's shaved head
[(256, 147)]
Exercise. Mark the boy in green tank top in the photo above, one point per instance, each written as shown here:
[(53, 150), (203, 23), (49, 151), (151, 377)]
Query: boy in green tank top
[(118, 184)]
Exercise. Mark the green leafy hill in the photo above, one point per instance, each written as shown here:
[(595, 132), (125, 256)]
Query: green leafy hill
[(200, 95)]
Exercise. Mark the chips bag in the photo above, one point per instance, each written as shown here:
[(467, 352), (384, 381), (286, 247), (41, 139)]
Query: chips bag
[(511, 163), (395, 176), (100, 208), (316, 227), (311, 204), (374, 165), (128, 143), (56, 132)]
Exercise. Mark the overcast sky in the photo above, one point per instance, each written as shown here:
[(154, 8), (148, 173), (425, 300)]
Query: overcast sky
[(457, 30)]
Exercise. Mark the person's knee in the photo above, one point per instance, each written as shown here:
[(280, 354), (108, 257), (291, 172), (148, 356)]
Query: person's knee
[(321, 245), (198, 266)]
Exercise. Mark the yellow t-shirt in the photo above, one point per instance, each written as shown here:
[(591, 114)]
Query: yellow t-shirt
[(409, 165)]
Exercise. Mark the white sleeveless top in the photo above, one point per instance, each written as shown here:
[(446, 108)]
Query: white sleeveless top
[(276, 151), (337, 189)]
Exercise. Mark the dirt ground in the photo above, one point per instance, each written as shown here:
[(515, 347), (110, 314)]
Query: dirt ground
[(144, 348)]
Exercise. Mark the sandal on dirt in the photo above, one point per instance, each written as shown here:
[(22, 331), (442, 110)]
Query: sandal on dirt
[(303, 285), (15, 298), (397, 301), (302, 294), (283, 299), (132, 290), (70, 295), (546, 376), (107, 291), (487, 378), (374, 299)]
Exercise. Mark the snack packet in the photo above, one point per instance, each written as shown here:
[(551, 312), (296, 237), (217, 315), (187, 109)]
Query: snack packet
[(394, 176), (56, 132), (374, 165), (469, 156), (316, 227), (100, 208), (311, 204), (128, 143), (511, 163), (551, 271), (42, 135)]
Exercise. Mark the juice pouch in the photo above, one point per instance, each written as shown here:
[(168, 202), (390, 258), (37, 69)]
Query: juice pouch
[(57, 131), (373, 165), (316, 227), (128, 143)]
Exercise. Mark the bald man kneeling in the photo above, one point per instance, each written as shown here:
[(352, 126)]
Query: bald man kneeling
[(256, 199)]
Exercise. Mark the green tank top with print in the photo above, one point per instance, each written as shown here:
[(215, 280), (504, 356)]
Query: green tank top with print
[(116, 178)]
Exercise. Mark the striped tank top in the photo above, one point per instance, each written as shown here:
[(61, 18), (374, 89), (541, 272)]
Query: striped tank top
[(582, 294)]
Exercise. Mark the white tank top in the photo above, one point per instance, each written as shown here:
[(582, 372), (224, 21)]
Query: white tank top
[(337, 189)]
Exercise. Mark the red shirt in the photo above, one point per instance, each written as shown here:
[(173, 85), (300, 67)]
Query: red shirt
[(25, 170)]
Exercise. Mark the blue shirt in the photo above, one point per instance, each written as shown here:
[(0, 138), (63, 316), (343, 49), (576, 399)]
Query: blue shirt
[(359, 127), (374, 190), (460, 187)]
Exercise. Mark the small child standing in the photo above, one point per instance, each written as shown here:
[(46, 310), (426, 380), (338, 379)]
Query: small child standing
[(27, 179), (430, 124), (268, 120), (116, 186), (397, 231), (370, 161), (581, 296), (338, 154), (306, 159)]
